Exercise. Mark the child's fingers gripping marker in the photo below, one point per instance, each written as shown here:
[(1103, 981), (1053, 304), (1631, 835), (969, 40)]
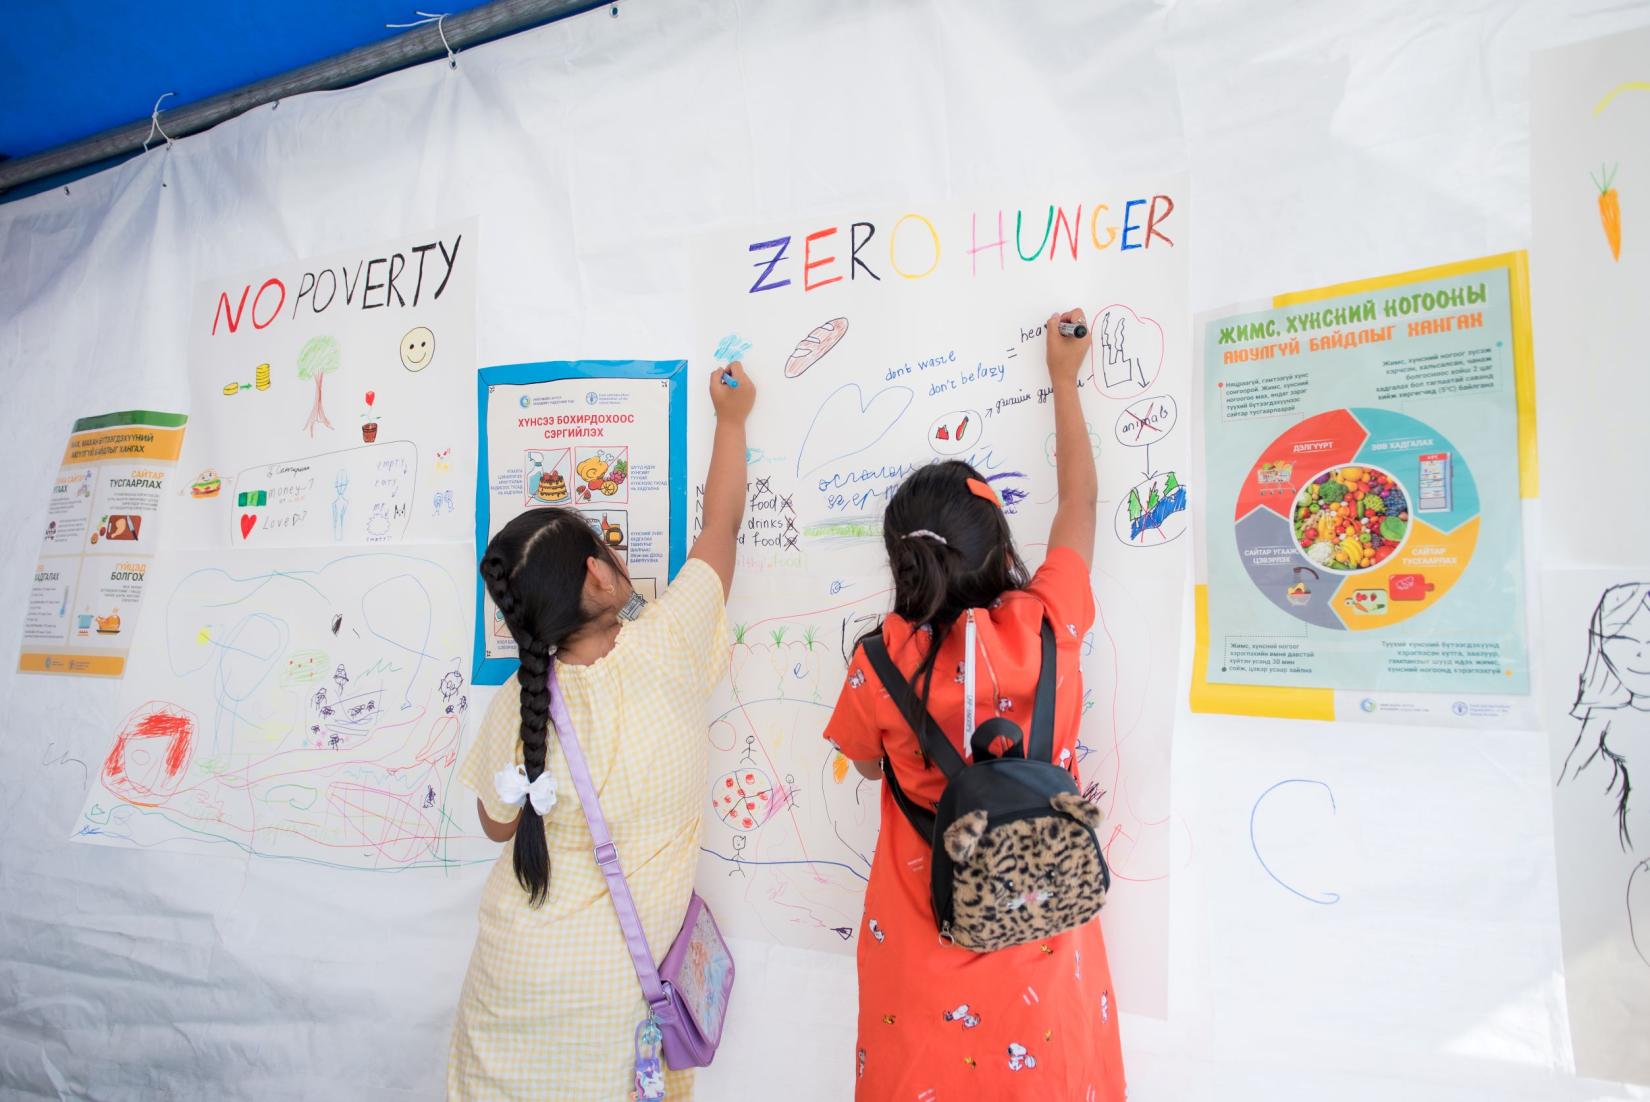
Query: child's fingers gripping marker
[(731, 390)]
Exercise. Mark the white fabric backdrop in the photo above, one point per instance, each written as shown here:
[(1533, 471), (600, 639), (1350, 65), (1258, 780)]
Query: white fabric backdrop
[(1325, 142)]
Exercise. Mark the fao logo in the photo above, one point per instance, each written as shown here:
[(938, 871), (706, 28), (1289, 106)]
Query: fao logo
[(526, 401), (590, 398), (1459, 707)]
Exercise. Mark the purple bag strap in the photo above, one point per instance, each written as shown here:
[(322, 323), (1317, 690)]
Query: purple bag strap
[(607, 855)]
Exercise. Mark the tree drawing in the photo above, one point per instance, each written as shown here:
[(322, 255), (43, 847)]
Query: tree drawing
[(316, 360), (1152, 499), (1134, 504), (1170, 484)]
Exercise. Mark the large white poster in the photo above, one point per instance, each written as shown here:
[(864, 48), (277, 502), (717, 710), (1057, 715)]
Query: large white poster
[(333, 398), (301, 688), (1590, 269), (311, 713), (1597, 710), (883, 339), (1590, 265)]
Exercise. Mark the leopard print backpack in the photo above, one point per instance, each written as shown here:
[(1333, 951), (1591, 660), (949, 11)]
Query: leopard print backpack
[(1015, 853)]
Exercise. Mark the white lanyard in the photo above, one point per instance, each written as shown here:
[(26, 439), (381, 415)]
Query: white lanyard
[(968, 687)]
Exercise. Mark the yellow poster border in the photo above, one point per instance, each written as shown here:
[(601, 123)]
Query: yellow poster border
[(1295, 702)]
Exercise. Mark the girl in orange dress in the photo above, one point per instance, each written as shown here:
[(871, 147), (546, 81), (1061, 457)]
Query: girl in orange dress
[(939, 1023)]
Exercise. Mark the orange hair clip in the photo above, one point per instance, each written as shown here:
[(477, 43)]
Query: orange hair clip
[(980, 489)]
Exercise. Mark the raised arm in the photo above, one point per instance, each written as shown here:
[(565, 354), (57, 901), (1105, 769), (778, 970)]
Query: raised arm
[(1079, 487), (725, 477)]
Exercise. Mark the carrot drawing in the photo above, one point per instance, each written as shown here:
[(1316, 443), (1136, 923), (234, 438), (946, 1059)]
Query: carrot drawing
[(1609, 208)]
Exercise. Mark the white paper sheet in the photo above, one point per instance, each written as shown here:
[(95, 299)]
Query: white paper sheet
[(1597, 708), (1590, 269), (884, 338)]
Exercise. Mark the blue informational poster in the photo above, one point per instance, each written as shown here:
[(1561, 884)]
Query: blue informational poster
[(604, 437)]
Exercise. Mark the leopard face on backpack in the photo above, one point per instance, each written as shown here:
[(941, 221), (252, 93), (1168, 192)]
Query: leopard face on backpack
[(1017, 858)]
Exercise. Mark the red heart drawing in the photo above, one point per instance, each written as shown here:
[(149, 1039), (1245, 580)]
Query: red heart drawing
[(247, 522), (371, 394)]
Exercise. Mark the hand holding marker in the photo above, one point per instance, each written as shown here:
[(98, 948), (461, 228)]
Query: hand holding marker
[(1067, 342), (732, 391)]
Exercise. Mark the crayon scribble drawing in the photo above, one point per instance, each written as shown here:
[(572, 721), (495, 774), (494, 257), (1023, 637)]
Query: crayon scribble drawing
[(852, 423), (1127, 350), (1322, 898), (1609, 201), (316, 360), (730, 348), (1612, 707), (311, 714), (1609, 208), (417, 348), (790, 826), (812, 348)]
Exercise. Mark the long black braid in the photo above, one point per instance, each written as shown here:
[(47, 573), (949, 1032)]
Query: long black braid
[(534, 570)]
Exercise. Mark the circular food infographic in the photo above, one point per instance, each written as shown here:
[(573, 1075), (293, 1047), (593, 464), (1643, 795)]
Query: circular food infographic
[(1357, 519)]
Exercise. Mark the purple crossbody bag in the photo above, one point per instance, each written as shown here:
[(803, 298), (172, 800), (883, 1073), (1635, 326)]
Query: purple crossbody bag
[(687, 994)]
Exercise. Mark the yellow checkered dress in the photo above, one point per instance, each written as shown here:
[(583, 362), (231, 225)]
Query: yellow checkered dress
[(551, 1001)]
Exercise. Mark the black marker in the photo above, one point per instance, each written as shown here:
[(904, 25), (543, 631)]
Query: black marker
[(1074, 329)]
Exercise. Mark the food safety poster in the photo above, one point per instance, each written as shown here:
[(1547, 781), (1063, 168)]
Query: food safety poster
[(606, 439), (99, 541), (1365, 451)]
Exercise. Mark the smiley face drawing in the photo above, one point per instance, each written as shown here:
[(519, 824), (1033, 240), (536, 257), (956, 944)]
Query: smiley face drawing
[(417, 349)]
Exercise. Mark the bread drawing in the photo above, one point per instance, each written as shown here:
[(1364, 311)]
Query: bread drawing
[(812, 348)]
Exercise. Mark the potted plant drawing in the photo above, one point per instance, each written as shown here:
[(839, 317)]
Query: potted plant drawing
[(369, 420), (316, 360)]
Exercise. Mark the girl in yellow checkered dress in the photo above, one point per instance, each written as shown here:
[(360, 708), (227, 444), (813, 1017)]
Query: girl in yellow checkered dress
[(551, 1002)]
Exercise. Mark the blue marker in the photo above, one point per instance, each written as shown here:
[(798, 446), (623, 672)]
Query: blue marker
[(728, 379)]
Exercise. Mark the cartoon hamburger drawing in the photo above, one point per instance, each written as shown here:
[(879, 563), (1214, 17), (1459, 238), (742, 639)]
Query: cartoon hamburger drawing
[(207, 485)]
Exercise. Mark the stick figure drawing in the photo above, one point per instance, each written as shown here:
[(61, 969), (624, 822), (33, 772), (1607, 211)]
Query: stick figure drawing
[(1613, 706)]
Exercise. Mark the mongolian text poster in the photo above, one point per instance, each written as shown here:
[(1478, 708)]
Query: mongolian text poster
[(99, 541), (1362, 526), (601, 438)]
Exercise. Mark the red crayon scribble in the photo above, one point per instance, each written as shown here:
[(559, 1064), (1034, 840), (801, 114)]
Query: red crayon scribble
[(150, 753)]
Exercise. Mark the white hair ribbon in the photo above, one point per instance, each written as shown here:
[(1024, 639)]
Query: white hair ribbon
[(514, 788), (924, 533)]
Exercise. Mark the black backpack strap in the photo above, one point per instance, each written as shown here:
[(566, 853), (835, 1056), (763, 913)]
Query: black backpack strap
[(930, 737), (934, 744), (921, 819), (1040, 746)]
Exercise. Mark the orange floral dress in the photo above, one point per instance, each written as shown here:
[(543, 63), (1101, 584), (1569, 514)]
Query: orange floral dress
[(938, 1023)]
